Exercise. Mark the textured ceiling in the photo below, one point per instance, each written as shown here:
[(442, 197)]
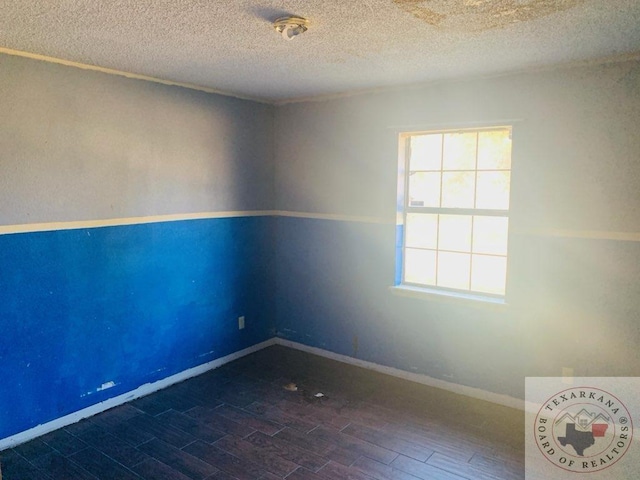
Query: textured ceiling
[(231, 47)]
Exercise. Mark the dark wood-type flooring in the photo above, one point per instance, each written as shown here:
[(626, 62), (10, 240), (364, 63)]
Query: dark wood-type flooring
[(238, 422)]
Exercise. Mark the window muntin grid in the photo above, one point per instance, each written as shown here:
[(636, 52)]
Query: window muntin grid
[(456, 211)]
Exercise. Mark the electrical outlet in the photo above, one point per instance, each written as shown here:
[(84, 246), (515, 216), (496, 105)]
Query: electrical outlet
[(240, 322)]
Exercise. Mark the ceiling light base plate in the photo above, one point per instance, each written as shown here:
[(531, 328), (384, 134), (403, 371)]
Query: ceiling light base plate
[(291, 27)]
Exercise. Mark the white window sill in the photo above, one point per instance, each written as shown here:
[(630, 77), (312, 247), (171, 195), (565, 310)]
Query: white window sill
[(471, 299)]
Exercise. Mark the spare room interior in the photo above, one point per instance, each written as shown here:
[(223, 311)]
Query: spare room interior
[(263, 239)]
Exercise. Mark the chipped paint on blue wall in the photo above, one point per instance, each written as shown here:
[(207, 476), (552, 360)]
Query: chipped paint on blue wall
[(89, 314)]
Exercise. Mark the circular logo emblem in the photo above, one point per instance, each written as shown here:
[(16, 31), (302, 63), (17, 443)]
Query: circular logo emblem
[(583, 429)]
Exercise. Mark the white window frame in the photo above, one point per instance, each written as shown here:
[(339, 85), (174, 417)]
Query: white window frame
[(403, 209)]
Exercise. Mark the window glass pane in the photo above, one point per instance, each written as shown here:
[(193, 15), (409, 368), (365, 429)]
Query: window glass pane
[(459, 151), (420, 266), (490, 235), (424, 189), (494, 150), (489, 274), (458, 172), (493, 190), (454, 270), (458, 189), (426, 152), (422, 230), (455, 233)]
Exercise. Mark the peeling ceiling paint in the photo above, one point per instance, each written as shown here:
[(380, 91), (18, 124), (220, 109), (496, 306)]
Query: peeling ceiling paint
[(478, 15), (232, 47)]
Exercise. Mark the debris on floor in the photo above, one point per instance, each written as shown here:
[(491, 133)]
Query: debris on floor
[(304, 393)]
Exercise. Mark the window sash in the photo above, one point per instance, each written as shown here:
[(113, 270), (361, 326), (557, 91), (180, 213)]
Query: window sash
[(408, 209)]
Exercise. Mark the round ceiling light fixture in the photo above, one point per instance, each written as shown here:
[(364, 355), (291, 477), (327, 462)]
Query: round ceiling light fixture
[(290, 27)]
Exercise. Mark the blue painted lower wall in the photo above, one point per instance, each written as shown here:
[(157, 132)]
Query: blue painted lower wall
[(126, 304), (572, 302), (333, 279), (136, 304)]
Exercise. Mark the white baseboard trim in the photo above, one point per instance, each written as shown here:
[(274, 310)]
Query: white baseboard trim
[(504, 400), (141, 391), (150, 388)]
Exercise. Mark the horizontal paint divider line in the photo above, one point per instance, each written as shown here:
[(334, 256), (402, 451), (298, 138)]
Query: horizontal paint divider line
[(113, 222), (585, 234), (117, 222), (336, 217)]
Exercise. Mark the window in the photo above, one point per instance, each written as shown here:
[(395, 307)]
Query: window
[(454, 199)]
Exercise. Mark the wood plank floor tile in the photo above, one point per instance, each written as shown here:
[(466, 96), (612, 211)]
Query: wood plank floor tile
[(336, 471), (195, 397), (162, 430), (191, 426), (114, 447), (438, 442), (380, 471), (152, 469), (240, 469), (353, 444), (304, 411), (63, 442), (15, 466), (130, 434), (245, 418), (507, 466), (305, 441), (102, 466), (303, 474), (237, 398), (116, 416), (58, 466), (177, 401), (152, 405), (33, 449), (463, 469), (318, 446), (422, 470), (239, 423), (178, 459), (256, 454), (214, 420), (289, 451), (274, 414), (388, 441)]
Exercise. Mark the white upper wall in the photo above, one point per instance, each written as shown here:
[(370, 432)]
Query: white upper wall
[(576, 153), (81, 145)]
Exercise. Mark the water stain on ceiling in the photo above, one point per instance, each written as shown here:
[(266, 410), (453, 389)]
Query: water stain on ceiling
[(479, 15)]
